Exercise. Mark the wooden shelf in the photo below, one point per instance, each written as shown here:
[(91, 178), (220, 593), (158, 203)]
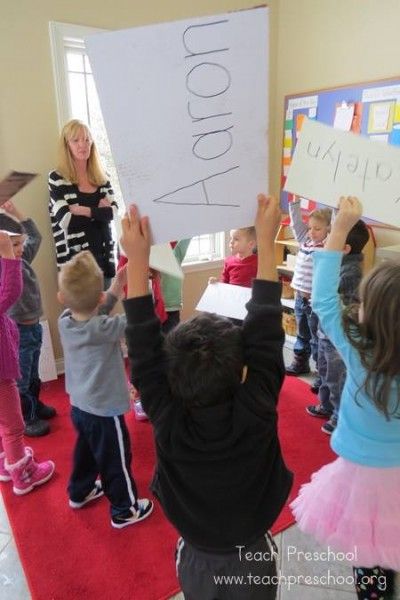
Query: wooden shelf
[(290, 243), (288, 302), (285, 268)]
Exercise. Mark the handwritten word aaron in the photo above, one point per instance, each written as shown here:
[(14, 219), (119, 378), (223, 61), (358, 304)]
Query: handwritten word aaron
[(207, 84)]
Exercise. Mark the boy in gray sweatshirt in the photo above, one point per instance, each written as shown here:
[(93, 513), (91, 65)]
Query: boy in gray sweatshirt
[(96, 383)]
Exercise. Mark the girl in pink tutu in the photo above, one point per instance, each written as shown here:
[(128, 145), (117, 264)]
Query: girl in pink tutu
[(353, 504)]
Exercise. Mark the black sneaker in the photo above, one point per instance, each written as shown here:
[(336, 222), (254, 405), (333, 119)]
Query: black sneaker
[(299, 366), (36, 428), (315, 385), (317, 410), (329, 427), (96, 492), (44, 411), (132, 516)]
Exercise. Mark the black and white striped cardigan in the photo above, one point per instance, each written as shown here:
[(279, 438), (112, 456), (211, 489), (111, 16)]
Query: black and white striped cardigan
[(62, 194)]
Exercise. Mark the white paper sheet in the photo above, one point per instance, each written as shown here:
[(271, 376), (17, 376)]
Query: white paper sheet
[(225, 299), (344, 116), (162, 258), (185, 106), (328, 163)]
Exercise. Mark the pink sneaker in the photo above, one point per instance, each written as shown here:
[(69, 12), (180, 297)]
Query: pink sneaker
[(28, 474), (139, 412), (4, 473)]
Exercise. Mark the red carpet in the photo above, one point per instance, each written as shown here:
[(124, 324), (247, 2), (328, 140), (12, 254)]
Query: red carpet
[(75, 555)]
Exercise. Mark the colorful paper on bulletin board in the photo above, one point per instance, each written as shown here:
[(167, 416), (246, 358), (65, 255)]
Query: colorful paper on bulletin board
[(357, 118), (380, 117), (396, 116), (344, 113), (394, 137), (299, 123)]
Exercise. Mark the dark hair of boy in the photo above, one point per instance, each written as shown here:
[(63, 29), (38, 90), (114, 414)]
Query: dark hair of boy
[(11, 225), (357, 237), (205, 360)]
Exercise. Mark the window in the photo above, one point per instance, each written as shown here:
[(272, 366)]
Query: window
[(77, 98)]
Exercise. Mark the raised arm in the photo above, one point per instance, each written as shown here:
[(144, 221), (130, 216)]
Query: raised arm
[(10, 274), (326, 274), (262, 327), (300, 228), (143, 334)]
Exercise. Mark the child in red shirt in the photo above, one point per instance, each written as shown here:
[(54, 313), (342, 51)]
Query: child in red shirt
[(241, 267)]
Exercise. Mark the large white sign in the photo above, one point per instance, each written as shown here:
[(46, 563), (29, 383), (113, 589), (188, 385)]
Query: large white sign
[(328, 163), (185, 106)]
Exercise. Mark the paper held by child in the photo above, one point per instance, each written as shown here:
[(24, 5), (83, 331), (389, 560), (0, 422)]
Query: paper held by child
[(328, 163), (12, 183), (225, 299), (162, 258)]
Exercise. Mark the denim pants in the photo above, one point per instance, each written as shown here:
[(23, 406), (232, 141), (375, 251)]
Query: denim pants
[(307, 326), (30, 343), (332, 372)]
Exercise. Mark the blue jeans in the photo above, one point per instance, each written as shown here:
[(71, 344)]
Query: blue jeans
[(332, 372), (307, 326), (30, 343)]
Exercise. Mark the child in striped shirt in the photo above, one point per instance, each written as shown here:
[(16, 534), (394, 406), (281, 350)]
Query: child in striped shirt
[(311, 237)]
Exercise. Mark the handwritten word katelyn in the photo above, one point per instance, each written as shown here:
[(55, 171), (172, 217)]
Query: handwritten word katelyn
[(364, 168), (207, 82)]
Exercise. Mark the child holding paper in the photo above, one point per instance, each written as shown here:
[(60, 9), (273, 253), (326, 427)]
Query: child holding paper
[(331, 367), (311, 238), (353, 503), (220, 475), (16, 460), (241, 267), (26, 311)]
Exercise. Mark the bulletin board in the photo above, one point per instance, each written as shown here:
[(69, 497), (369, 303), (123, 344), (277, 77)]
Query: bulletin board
[(371, 109)]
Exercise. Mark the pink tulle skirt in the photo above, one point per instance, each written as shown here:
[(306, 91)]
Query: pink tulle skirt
[(353, 509)]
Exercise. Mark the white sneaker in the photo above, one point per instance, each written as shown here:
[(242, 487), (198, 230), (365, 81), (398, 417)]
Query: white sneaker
[(96, 492), (132, 516)]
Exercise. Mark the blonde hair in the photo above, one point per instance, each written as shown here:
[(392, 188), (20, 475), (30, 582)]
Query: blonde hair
[(321, 214), (66, 165), (249, 232), (81, 282)]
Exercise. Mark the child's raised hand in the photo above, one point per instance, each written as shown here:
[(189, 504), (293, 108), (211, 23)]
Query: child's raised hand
[(350, 211), (6, 248), (136, 237), (268, 218), (120, 281), (12, 210)]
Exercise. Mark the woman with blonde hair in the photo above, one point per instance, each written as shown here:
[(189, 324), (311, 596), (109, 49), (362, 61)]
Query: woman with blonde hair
[(82, 203)]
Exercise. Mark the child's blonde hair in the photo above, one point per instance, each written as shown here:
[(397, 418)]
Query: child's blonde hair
[(249, 232), (321, 214), (81, 282)]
